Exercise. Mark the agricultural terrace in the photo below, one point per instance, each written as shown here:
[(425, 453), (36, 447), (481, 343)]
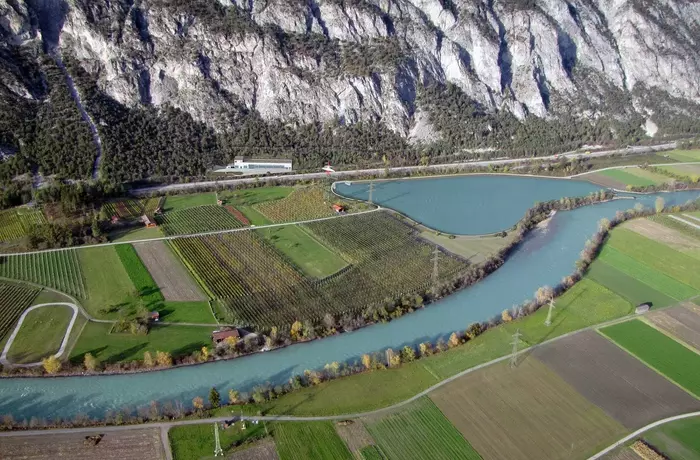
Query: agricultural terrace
[(672, 359), (309, 441), (14, 299), (259, 286), (682, 322), (197, 220), (58, 270), (16, 223), (304, 203), (677, 439), (523, 413), (129, 209), (419, 431), (41, 334)]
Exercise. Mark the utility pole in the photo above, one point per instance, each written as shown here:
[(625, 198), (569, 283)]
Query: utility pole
[(218, 451), (436, 259), (371, 189), (548, 321), (514, 354)]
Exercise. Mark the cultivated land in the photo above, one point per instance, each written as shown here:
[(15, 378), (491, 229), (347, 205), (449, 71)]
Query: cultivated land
[(419, 431), (146, 288), (192, 442), (262, 450), (122, 445), (633, 290), (662, 233), (682, 322), (690, 171), (525, 412), (14, 299), (303, 203), (682, 228), (621, 178), (108, 285), (684, 156), (474, 249), (197, 220), (260, 287), (309, 441), (16, 223), (130, 209), (677, 362), (171, 277), (678, 440), (618, 383), (180, 202), (59, 270), (41, 334), (355, 435)]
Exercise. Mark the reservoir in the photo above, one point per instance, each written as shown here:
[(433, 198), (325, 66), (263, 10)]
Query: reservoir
[(544, 258)]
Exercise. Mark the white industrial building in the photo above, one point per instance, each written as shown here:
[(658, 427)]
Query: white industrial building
[(258, 165)]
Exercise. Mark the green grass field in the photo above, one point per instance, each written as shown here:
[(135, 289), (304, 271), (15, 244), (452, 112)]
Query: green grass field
[(635, 177), (635, 291), (192, 442), (135, 233), (474, 249), (244, 200), (140, 277), (677, 440), (180, 202), (672, 263), (371, 453), (186, 312), (420, 431), (309, 441), (110, 348), (107, 283), (309, 255), (685, 156), (41, 334), (655, 279), (659, 351)]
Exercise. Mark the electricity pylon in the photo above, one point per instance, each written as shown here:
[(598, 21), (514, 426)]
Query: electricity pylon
[(436, 259), (514, 354), (548, 321), (371, 189), (218, 451)]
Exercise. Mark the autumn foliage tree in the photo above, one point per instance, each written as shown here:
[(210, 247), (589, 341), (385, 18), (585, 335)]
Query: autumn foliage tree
[(52, 364), (90, 362)]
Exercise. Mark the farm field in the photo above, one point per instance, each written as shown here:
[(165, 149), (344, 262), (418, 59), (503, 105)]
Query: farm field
[(107, 283), (524, 413), (302, 204), (621, 385), (244, 200), (58, 270), (654, 255), (191, 200), (197, 220), (261, 288), (475, 250), (659, 351), (186, 312), (140, 277), (135, 233), (677, 440), (685, 156), (355, 435), (419, 431), (116, 347), (192, 442), (14, 299), (636, 177), (659, 230), (120, 445), (681, 228), (633, 290), (16, 223), (689, 171), (371, 453), (682, 322), (171, 277), (130, 209), (309, 441), (310, 256), (40, 335), (261, 450)]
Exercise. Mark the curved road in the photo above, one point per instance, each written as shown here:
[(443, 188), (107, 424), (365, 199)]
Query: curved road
[(3, 358)]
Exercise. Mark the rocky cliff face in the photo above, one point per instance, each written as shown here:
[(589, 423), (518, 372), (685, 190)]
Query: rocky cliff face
[(303, 61)]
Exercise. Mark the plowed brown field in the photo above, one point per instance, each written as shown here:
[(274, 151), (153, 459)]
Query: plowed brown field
[(663, 234), (262, 450), (168, 272), (682, 322)]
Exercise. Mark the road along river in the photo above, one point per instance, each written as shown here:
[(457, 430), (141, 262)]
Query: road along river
[(544, 258)]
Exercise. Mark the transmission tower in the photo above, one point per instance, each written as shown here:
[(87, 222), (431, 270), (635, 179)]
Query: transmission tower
[(436, 259), (371, 190), (218, 451), (514, 354), (548, 321)]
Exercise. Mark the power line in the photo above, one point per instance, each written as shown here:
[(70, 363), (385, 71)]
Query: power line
[(548, 321), (218, 451), (371, 190), (514, 353)]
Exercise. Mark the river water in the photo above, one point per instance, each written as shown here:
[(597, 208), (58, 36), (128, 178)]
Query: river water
[(544, 258)]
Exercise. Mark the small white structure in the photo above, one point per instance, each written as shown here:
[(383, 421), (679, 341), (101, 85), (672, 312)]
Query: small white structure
[(642, 308), (258, 165)]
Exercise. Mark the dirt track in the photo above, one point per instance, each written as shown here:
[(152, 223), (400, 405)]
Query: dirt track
[(168, 273), (615, 381)]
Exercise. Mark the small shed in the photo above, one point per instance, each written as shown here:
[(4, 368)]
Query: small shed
[(339, 208), (147, 221), (642, 308), (154, 316), (222, 334)]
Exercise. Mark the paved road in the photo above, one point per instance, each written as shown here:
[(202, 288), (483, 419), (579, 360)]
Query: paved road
[(372, 171), (3, 358)]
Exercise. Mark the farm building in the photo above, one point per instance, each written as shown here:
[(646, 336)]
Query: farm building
[(147, 221), (339, 208), (259, 165), (154, 316), (222, 334), (642, 308)]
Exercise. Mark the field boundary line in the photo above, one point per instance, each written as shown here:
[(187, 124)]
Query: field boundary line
[(691, 217), (64, 342), (192, 235), (692, 224), (642, 430), (653, 325)]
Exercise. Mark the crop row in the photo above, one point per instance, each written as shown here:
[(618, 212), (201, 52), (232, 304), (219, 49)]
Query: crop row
[(302, 204), (15, 223), (14, 299), (197, 220), (132, 209), (59, 270), (259, 287)]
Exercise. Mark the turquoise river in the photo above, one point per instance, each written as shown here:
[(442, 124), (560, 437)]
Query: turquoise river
[(468, 204)]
